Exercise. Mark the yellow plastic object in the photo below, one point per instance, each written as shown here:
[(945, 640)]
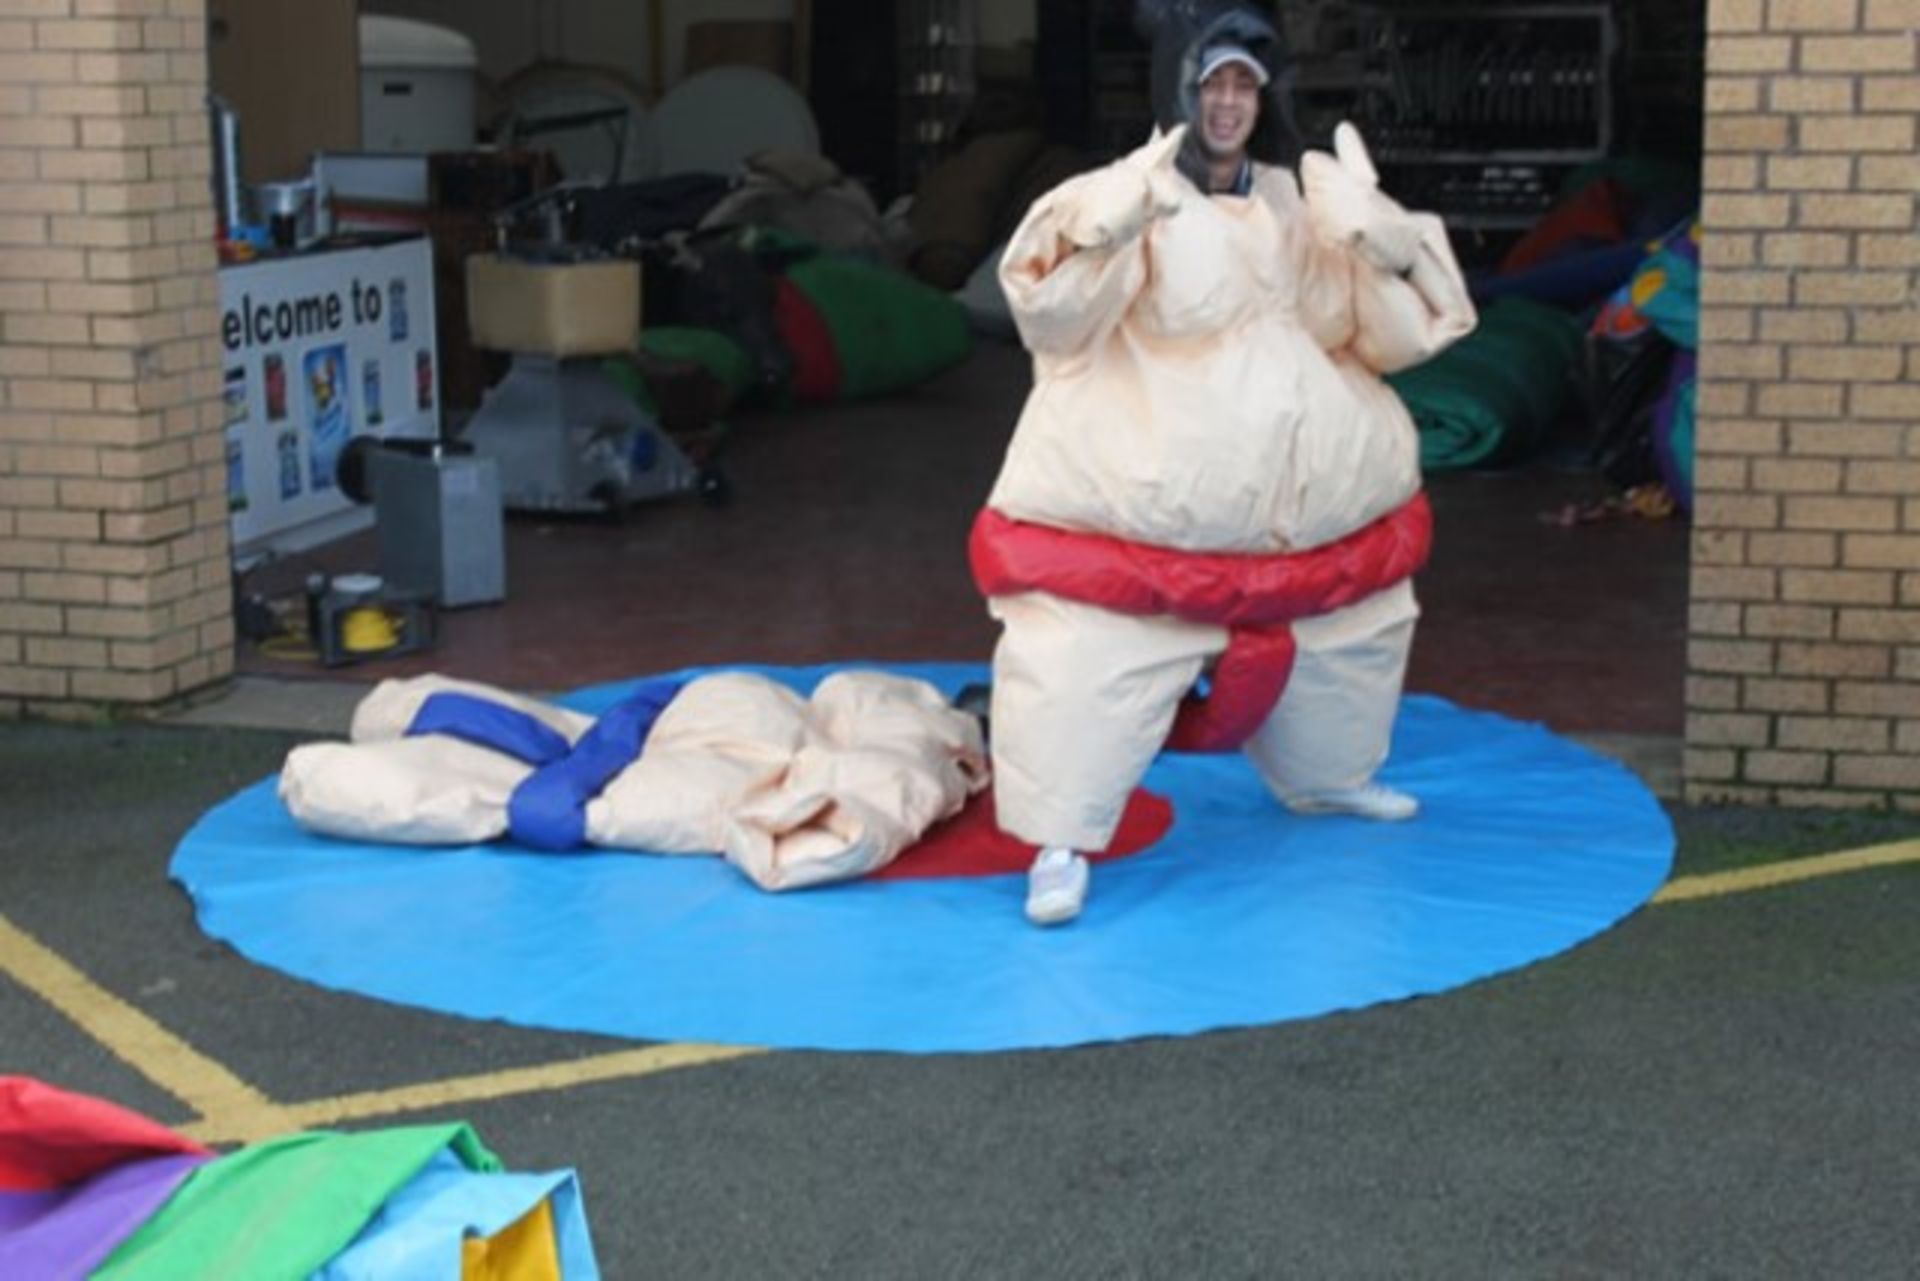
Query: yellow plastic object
[(369, 630), (524, 1250), (553, 309)]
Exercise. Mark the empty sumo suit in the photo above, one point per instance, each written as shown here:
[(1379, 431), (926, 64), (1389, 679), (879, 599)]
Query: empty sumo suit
[(794, 791), (1209, 477)]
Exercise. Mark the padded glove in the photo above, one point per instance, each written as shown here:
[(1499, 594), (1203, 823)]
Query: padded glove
[(1115, 204), (1346, 204)]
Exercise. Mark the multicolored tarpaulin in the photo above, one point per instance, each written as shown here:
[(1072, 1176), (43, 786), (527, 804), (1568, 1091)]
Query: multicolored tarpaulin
[(1663, 298), (89, 1189)]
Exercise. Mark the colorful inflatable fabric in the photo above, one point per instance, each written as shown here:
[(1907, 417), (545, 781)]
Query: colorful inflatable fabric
[(889, 331), (1663, 293), (89, 1189), (1494, 396), (1594, 215), (713, 351), (853, 329), (1663, 298)]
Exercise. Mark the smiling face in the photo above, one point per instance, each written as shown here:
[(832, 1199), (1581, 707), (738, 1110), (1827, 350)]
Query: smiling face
[(1229, 109)]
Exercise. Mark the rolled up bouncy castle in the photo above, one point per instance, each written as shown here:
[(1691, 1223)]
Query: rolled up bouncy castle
[(1495, 396), (858, 329), (89, 1189)]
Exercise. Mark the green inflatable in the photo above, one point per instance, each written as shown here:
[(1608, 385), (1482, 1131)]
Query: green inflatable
[(711, 350), (1496, 395), (889, 330)]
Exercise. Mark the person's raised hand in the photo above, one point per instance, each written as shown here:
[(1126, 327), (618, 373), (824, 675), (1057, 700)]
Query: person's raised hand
[(1115, 204), (1347, 207), (1159, 160)]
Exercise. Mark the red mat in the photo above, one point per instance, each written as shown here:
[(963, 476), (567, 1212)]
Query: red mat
[(972, 844)]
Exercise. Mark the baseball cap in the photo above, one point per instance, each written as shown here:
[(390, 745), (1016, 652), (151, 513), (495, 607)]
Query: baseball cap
[(1219, 55)]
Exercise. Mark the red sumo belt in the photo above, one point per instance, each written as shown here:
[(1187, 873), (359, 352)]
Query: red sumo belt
[(1257, 597)]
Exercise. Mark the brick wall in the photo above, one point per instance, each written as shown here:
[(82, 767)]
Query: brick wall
[(1804, 685), (113, 521)]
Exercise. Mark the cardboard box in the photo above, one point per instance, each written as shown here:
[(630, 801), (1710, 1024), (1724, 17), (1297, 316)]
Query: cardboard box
[(553, 309), (291, 69), (464, 191)]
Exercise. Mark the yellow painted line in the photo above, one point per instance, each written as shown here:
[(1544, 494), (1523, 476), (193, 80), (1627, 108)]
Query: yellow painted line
[(232, 1111), (157, 1054), (619, 1065), (1767, 875)]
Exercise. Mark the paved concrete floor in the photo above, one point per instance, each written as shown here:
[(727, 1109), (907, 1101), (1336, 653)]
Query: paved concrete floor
[(1715, 1088)]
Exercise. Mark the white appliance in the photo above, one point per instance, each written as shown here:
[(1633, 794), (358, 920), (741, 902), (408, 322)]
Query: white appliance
[(418, 83), (711, 122)]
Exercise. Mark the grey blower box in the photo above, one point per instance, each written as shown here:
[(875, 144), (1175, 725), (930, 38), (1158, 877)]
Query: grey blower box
[(440, 526)]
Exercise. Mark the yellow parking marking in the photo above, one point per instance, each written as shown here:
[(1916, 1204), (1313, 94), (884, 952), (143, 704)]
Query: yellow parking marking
[(231, 1111), (1767, 875), (619, 1065), (157, 1054)]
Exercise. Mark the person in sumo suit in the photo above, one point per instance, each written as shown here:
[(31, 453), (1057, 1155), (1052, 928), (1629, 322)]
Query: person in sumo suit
[(1209, 478)]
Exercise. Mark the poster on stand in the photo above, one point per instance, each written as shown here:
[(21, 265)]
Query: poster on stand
[(320, 347)]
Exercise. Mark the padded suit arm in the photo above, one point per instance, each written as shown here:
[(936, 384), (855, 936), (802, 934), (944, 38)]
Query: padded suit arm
[(1078, 259), (1402, 320), (1408, 299)]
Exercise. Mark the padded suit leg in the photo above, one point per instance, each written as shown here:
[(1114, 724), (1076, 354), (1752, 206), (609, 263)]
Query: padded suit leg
[(1082, 702), (1332, 727)]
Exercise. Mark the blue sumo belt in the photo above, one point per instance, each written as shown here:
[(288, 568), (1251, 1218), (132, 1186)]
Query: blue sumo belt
[(549, 810)]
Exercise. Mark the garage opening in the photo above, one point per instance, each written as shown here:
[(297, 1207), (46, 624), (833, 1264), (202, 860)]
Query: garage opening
[(703, 298)]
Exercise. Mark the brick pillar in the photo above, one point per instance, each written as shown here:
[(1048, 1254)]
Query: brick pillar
[(1804, 685), (113, 519)]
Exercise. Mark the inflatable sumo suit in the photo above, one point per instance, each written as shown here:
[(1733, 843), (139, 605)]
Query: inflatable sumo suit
[(1209, 477), (794, 791)]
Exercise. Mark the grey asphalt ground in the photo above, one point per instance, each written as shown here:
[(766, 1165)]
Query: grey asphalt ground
[(1723, 1088)]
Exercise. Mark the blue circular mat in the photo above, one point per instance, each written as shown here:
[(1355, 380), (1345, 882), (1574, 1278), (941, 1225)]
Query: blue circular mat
[(1527, 844)]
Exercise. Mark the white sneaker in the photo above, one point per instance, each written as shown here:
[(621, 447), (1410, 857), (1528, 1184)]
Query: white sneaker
[(1056, 886), (1369, 800)]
